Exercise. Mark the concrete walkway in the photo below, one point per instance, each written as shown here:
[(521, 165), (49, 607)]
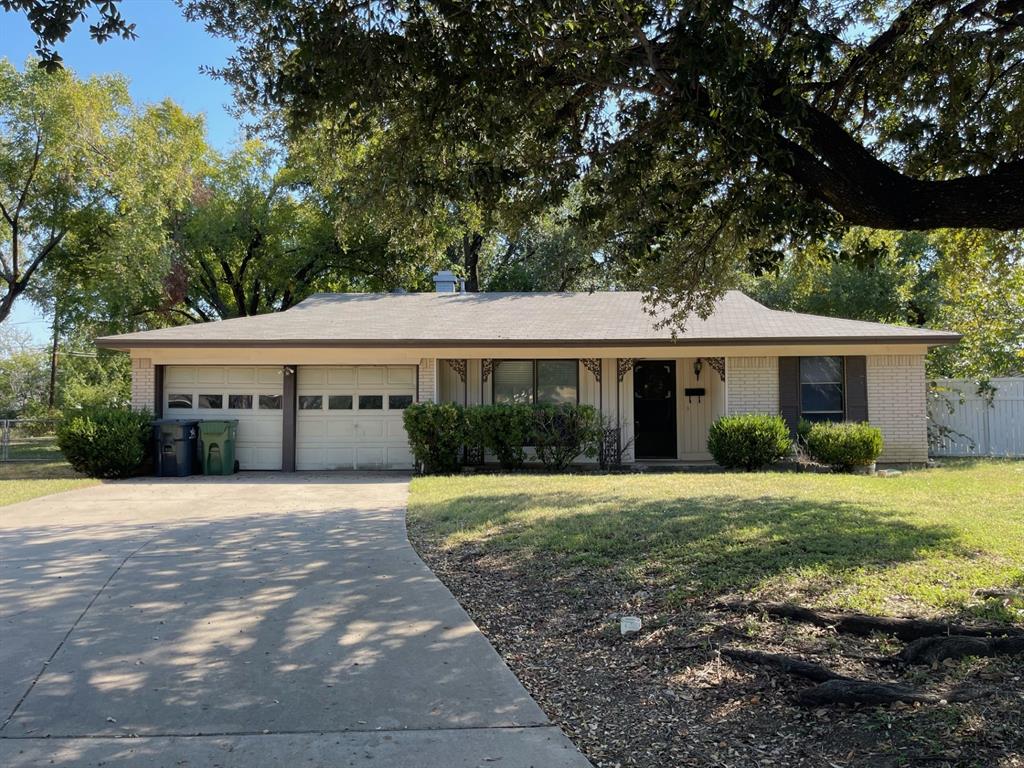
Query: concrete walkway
[(256, 620)]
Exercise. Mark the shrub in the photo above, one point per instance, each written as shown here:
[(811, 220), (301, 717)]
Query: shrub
[(563, 432), (503, 429), (803, 427), (844, 446), (105, 442), (39, 419), (749, 441), (436, 433)]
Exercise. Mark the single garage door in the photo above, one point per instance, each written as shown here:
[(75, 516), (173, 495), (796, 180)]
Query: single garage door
[(251, 394), (350, 416)]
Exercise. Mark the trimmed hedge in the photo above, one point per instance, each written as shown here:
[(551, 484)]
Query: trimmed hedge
[(560, 433), (437, 432), (844, 446), (749, 441), (106, 442), (563, 432), (502, 429)]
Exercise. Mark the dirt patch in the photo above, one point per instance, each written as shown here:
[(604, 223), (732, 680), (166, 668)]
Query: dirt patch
[(666, 697)]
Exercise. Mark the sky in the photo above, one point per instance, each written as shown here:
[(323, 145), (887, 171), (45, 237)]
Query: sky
[(163, 62)]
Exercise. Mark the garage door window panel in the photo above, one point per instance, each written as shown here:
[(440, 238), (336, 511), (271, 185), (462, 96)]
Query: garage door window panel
[(339, 402), (311, 402), (179, 401), (399, 402), (239, 402), (371, 402), (212, 402), (271, 402)]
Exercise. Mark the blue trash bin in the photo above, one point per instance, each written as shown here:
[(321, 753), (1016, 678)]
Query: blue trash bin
[(175, 447)]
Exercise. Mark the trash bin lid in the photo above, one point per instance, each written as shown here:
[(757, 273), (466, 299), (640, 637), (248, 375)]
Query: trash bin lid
[(184, 429), (217, 426)]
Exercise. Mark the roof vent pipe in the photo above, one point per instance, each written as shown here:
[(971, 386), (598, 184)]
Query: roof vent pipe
[(446, 282)]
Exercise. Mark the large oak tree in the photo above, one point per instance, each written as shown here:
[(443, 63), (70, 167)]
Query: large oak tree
[(705, 132)]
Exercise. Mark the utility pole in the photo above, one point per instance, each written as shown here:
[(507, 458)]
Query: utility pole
[(53, 359)]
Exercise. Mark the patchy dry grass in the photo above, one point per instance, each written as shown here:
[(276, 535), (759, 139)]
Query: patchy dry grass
[(917, 543), (546, 566), (20, 481)]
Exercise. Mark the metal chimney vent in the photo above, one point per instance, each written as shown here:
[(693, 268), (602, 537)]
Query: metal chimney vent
[(446, 282)]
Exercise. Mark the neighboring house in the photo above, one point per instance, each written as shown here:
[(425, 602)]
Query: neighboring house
[(323, 385)]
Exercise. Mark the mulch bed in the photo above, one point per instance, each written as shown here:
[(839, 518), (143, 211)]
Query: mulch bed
[(666, 697)]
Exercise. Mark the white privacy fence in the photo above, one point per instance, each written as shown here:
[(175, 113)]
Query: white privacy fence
[(968, 424)]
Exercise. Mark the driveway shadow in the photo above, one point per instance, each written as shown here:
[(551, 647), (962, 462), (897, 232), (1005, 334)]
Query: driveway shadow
[(294, 620)]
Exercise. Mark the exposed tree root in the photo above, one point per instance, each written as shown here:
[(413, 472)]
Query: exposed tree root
[(1003, 594), (861, 624), (834, 688), (847, 691), (787, 664), (930, 650)]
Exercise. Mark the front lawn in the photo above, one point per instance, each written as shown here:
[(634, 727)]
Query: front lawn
[(919, 542), (23, 480), (547, 564)]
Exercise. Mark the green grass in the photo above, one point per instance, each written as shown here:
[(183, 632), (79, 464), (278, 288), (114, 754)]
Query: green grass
[(34, 448), (917, 543), (20, 481)]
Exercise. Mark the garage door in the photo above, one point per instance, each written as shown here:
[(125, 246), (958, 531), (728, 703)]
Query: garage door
[(350, 416), (251, 394)]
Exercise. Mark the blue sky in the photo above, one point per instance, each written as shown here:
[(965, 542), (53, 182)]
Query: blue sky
[(163, 62)]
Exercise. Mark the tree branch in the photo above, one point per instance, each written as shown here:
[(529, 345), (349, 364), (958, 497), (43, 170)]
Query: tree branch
[(879, 46), (842, 173)]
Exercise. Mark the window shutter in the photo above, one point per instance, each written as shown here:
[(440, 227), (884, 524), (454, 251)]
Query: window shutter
[(856, 388), (789, 391)]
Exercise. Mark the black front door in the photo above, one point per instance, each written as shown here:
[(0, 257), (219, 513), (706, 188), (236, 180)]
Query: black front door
[(654, 409)]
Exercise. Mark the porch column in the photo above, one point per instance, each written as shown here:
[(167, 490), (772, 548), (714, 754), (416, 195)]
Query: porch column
[(143, 385), (158, 391), (426, 380)]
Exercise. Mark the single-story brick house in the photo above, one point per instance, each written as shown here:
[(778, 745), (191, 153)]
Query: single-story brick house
[(323, 384)]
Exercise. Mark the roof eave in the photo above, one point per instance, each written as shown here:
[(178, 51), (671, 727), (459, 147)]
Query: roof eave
[(124, 345)]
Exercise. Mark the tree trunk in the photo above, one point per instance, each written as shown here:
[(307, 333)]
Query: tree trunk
[(7, 302), (471, 245)]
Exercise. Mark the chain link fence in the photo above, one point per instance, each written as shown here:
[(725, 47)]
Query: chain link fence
[(29, 440)]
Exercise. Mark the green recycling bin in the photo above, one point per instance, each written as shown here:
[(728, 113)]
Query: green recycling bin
[(217, 446)]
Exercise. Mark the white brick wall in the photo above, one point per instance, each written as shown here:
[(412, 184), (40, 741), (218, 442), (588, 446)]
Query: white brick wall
[(897, 406), (143, 385), (752, 384), (427, 382)]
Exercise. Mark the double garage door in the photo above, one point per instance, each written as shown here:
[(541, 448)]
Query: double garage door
[(349, 417)]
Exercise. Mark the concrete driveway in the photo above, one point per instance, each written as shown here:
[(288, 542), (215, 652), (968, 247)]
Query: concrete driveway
[(254, 620)]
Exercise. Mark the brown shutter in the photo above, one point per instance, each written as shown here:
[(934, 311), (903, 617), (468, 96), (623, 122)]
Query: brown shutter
[(856, 395), (789, 391)]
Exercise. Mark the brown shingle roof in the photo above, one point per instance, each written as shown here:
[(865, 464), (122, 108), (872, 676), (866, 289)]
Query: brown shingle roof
[(510, 319)]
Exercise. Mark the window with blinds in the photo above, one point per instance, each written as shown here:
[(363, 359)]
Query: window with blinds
[(536, 381), (821, 388)]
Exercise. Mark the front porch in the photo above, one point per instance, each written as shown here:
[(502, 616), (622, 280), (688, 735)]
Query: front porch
[(658, 409)]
